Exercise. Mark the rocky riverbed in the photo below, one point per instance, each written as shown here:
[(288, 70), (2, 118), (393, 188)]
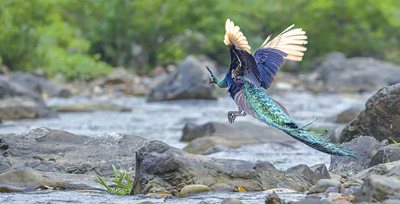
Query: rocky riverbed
[(185, 151), (141, 120)]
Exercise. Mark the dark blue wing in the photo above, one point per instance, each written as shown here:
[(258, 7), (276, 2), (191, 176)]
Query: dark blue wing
[(268, 60), (243, 64)]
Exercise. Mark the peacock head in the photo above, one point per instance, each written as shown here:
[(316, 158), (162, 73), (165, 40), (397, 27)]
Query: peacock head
[(212, 77)]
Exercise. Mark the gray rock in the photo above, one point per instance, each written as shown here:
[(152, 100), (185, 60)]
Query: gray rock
[(39, 85), (27, 179), (388, 169), (193, 189), (24, 108), (17, 102), (209, 145), (92, 106), (364, 147), (11, 89), (323, 184), (192, 131), (380, 119), (59, 151), (273, 198), (320, 172), (188, 81), (358, 74), (376, 188), (231, 201), (118, 76), (385, 154), (122, 81), (162, 168)]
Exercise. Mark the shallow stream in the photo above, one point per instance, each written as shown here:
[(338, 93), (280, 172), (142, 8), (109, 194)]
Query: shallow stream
[(165, 120)]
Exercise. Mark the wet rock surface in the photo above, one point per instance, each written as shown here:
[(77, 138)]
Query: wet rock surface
[(189, 81), (162, 168), (48, 150), (380, 119)]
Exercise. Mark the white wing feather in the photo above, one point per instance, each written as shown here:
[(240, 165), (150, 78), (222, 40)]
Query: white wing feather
[(290, 42), (233, 36)]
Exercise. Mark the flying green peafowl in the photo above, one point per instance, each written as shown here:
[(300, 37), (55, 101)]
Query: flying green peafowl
[(249, 76)]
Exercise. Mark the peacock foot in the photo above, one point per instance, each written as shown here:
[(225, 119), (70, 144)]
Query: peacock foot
[(233, 114)]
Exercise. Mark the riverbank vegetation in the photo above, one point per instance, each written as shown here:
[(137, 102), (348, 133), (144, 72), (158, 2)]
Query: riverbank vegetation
[(85, 39)]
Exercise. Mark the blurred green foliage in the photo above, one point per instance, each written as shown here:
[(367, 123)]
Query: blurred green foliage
[(84, 39)]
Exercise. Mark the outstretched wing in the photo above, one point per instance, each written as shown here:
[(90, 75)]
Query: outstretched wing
[(270, 56), (242, 61)]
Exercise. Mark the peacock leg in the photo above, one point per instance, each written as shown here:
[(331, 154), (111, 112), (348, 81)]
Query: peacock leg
[(233, 114)]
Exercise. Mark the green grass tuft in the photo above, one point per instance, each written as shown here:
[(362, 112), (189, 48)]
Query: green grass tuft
[(120, 188)]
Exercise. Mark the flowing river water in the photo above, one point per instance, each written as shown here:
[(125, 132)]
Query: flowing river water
[(165, 120)]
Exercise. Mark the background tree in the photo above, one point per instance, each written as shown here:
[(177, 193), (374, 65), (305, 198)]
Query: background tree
[(84, 39)]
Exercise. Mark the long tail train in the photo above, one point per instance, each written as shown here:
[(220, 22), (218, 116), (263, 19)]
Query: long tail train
[(318, 142)]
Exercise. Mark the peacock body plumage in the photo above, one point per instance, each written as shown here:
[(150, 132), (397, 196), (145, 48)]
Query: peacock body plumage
[(249, 76)]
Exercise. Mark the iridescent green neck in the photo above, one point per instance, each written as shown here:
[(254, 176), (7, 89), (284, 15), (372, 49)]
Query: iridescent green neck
[(219, 82)]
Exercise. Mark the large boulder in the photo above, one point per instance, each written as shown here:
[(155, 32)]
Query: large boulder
[(359, 74), (188, 81), (39, 85), (48, 150), (380, 119), (162, 168)]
